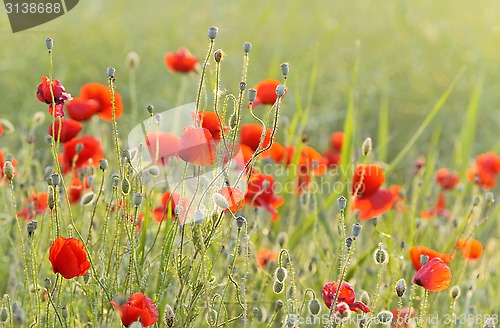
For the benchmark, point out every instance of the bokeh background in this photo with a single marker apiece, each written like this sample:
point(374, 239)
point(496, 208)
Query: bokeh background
point(409, 52)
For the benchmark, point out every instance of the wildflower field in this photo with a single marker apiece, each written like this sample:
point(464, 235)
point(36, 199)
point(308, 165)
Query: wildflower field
point(251, 164)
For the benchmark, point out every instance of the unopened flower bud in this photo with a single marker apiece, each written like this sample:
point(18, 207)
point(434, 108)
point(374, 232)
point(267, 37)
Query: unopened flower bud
point(278, 286)
point(242, 86)
point(258, 314)
point(385, 317)
point(133, 59)
point(252, 94)
point(51, 201)
point(19, 315)
point(31, 227)
point(8, 170)
point(280, 274)
point(220, 201)
point(169, 316)
point(356, 229)
point(247, 46)
point(240, 221)
point(154, 170)
point(367, 146)
point(455, 292)
point(127, 154)
point(218, 54)
point(365, 298)
point(136, 324)
point(125, 186)
point(282, 238)
point(111, 72)
point(380, 256)
point(278, 305)
point(401, 287)
point(212, 32)
point(233, 121)
point(211, 317)
point(341, 203)
point(489, 197)
point(137, 199)
point(285, 69)
point(280, 90)
point(103, 164)
point(87, 199)
point(4, 315)
point(49, 43)
point(38, 118)
point(314, 306)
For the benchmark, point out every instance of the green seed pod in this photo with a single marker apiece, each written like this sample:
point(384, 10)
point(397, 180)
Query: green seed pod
point(242, 86)
point(280, 274)
point(31, 227)
point(137, 199)
point(103, 164)
point(285, 69)
point(314, 306)
point(125, 186)
point(111, 72)
point(49, 43)
point(280, 90)
point(257, 313)
point(212, 32)
point(150, 109)
point(278, 287)
point(240, 221)
point(126, 154)
point(341, 203)
point(247, 46)
point(252, 94)
point(220, 201)
point(356, 229)
point(169, 316)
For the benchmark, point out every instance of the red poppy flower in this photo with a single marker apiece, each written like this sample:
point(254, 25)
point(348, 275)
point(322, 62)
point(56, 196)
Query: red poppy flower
point(69, 129)
point(210, 121)
point(58, 112)
point(68, 257)
point(434, 276)
point(447, 179)
point(3, 178)
point(90, 154)
point(251, 134)
point(484, 172)
point(169, 201)
point(336, 141)
point(264, 256)
point(417, 251)
point(332, 156)
point(162, 146)
point(260, 193)
point(101, 93)
point(197, 146)
point(472, 249)
point(369, 198)
point(438, 210)
point(44, 95)
point(76, 189)
point(403, 319)
point(137, 307)
point(346, 295)
point(35, 205)
point(181, 61)
point(1, 129)
point(234, 197)
point(81, 109)
point(266, 92)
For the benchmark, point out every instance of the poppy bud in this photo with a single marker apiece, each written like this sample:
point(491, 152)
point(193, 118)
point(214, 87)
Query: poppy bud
point(385, 317)
point(38, 118)
point(50, 197)
point(18, 312)
point(489, 197)
point(280, 274)
point(103, 164)
point(4, 315)
point(220, 201)
point(136, 324)
point(401, 287)
point(348, 242)
point(198, 216)
point(252, 94)
point(178, 210)
point(240, 221)
point(314, 306)
point(280, 90)
point(278, 305)
point(380, 255)
point(49, 43)
point(243, 86)
point(366, 147)
point(233, 120)
point(64, 312)
point(79, 147)
point(356, 229)
point(277, 286)
point(87, 198)
point(154, 170)
point(8, 170)
point(218, 55)
point(285, 69)
point(365, 298)
point(137, 199)
point(341, 203)
point(258, 314)
point(455, 292)
point(133, 59)
point(247, 46)
point(212, 32)
point(56, 179)
point(211, 317)
point(169, 316)
point(127, 154)
point(125, 186)
point(31, 227)
point(282, 238)
point(150, 109)
point(111, 72)
point(47, 283)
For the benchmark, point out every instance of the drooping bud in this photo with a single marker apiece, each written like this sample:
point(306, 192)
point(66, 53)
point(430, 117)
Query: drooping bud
point(125, 186)
point(212, 32)
point(341, 203)
point(314, 306)
point(367, 146)
point(258, 314)
point(137, 199)
point(220, 201)
point(278, 286)
point(247, 46)
point(401, 287)
point(356, 229)
point(280, 274)
point(252, 94)
point(111, 72)
point(285, 69)
point(280, 90)
point(49, 43)
point(169, 316)
point(133, 59)
point(211, 317)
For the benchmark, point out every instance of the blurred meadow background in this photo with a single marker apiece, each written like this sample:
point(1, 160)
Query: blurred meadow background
point(387, 63)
